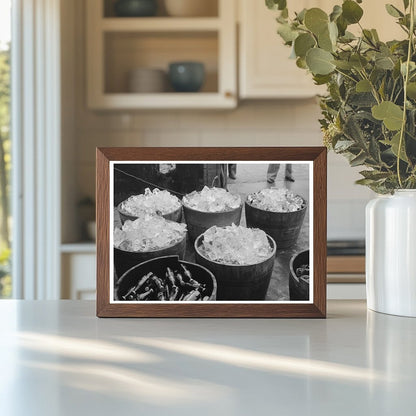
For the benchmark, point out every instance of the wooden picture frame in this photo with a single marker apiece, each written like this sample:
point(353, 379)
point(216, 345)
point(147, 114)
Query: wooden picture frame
point(314, 157)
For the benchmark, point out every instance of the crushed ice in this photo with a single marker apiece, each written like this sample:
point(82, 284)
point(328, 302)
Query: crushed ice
point(276, 200)
point(148, 233)
point(235, 245)
point(151, 202)
point(212, 200)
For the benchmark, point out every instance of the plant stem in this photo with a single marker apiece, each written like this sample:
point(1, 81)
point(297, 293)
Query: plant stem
point(373, 88)
point(346, 75)
point(405, 81)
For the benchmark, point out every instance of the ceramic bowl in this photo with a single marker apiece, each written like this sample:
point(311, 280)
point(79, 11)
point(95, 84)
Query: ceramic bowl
point(135, 8)
point(147, 80)
point(186, 76)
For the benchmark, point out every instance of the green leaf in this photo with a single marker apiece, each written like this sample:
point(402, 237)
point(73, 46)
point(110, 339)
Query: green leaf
point(301, 15)
point(374, 150)
point(358, 160)
point(342, 25)
point(394, 143)
point(325, 42)
point(363, 86)
point(287, 33)
point(316, 20)
point(347, 37)
point(362, 99)
point(351, 11)
point(368, 36)
point(411, 90)
point(377, 75)
point(406, 4)
point(354, 132)
point(343, 145)
point(301, 63)
point(319, 61)
point(336, 12)
point(393, 11)
point(276, 4)
point(365, 182)
point(303, 43)
point(321, 79)
point(374, 174)
point(358, 61)
point(388, 112)
point(412, 67)
point(384, 62)
point(382, 89)
point(344, 65)
point(333, 32)
point(375, 35)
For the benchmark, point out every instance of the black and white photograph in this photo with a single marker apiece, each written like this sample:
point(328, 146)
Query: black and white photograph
point(232, 231)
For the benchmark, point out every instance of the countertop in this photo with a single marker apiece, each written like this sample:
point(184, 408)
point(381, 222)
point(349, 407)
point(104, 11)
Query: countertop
point(57, 358)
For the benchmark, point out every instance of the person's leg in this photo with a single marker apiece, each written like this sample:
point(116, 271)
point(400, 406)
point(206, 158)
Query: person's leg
point(288, 173)
point(272, 171)
point(232, 170)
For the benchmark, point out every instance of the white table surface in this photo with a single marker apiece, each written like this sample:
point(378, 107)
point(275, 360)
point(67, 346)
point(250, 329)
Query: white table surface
point(57, 358)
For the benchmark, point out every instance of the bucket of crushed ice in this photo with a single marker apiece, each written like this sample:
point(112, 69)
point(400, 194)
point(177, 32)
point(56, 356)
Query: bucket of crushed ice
point(240, 258)
point(278, 212)
point(151, 202)
point(209, 207)
point(146, 238)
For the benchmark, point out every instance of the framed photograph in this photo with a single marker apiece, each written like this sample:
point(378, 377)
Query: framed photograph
point(211, 232)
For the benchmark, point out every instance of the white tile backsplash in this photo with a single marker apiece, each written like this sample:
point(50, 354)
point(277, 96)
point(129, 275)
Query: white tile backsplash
point(258, 123)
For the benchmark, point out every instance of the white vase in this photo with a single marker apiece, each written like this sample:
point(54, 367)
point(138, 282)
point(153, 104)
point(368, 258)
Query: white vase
point(391, 253)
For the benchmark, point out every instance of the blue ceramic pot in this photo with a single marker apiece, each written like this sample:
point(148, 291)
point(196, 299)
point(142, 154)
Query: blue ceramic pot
point(186, 76)
point(135, 8)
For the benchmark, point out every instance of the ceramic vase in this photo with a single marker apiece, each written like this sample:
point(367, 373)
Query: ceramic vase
point(391, 253)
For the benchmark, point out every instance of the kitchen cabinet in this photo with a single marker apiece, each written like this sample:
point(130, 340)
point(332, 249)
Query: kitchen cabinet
point(265, 69)
point(118, 45)
point(78, 263)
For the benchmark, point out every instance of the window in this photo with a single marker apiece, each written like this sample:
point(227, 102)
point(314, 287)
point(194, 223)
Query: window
point(5, 147)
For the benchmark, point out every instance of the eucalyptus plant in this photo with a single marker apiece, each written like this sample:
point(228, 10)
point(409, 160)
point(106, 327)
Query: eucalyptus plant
point(369, 112)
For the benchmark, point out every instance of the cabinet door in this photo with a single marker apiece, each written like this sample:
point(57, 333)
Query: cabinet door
point(265, 68)
point(116, 46)
point(78, 276)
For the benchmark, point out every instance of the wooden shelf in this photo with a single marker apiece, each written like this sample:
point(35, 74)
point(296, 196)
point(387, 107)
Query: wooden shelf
point(116, 45)
point(85, 247)
point(160, 24)
point(346, 264)
point(126, 101)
